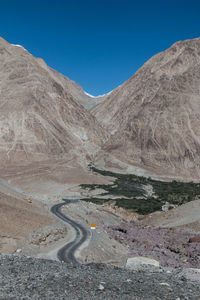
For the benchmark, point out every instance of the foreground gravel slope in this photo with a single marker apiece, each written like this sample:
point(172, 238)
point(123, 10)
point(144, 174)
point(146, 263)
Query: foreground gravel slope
point(28, 278)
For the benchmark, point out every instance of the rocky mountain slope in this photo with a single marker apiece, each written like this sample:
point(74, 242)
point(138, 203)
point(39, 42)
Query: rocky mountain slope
point(41, 117)
point(154, 117)
point(151, 122)
point(80, 96)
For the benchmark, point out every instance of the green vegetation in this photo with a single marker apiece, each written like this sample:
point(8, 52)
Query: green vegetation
point(141, 206)
point(131, 187)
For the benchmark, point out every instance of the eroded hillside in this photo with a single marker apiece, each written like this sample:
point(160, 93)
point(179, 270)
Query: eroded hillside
point(154, 117)
point(40, 117)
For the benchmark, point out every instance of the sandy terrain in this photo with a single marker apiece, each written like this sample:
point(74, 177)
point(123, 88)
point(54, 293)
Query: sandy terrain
point(18, 218)
point(50, 180)
point(186, 216)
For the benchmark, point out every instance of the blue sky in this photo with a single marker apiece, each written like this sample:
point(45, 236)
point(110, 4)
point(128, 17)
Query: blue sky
point(98, 43)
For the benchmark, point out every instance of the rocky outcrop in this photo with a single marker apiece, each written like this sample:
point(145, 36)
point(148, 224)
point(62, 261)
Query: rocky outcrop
point(195, 239)
point(171, 247)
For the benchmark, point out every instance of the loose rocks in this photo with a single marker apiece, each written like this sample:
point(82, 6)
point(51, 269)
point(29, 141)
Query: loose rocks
point(28, 278)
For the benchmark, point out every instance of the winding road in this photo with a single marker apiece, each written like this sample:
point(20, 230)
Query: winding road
point(67, 253)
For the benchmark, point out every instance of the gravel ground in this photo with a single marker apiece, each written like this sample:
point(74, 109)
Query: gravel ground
point(172, 247)
point(28, 278)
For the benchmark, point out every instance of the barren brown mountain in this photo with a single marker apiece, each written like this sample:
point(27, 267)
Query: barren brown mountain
point(78, 93)
point(41, 117)
point(154, 117)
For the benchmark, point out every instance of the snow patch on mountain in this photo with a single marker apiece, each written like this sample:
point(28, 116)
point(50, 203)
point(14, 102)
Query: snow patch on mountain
point(18, 46)
point(97, 96)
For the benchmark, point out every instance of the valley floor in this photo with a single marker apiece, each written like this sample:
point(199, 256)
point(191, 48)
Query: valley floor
point(28, 225)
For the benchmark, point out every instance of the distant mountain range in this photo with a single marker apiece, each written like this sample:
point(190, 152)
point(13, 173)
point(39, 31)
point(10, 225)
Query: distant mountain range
point(150, 124)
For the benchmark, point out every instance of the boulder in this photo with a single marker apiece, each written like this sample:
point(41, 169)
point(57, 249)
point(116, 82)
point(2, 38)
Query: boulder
point(139, 261)
point(18, 250)
point(191, 274)
point(195, 239)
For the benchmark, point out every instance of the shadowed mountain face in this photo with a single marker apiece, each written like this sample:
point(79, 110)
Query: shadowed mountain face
point(154, 117)
point(41, 117)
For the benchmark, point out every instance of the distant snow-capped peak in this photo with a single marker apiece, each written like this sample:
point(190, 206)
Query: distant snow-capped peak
point(19, 46)
point(97, 96)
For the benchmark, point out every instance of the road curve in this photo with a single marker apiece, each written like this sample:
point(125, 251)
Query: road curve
point(67, 253)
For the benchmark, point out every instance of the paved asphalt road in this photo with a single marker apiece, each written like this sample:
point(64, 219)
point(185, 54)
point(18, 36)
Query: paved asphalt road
point(67, 253)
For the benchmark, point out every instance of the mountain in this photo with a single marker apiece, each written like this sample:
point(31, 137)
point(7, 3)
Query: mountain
point(154, 118)
point(80, 96)
point(41, 115)
point(150, 124)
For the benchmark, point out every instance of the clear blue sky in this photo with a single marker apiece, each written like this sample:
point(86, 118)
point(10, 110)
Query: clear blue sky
point(98, 43)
